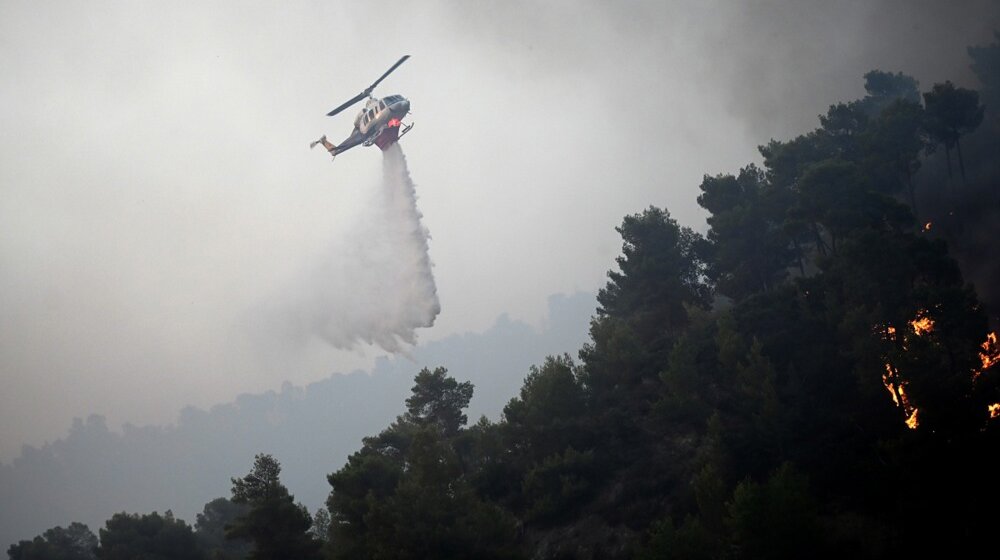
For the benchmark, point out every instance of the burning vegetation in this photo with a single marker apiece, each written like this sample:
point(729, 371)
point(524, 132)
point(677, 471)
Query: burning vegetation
point(923, 325)
point(989, 353)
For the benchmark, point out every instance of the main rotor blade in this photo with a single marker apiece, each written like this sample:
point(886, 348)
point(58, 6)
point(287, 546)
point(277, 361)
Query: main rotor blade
point(387, 72)
point(353, 100)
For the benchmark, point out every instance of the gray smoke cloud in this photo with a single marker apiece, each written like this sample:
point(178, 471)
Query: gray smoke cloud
point(155, 183)
point(375, 284)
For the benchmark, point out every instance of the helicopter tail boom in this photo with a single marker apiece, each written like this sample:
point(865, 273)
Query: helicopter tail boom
point(330, 146)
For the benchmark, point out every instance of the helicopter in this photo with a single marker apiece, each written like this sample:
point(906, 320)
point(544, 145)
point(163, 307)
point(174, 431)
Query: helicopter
point(379, 123)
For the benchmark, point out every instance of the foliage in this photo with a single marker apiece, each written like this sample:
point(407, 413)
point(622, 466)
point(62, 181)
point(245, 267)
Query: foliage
point(438, 400)
point(952, 112)
point(810, 378)
point(75, 542)
point(750, 252)
point(690, 541)
point(776, 519)
point(986, 65)
point(277, 526)
point(406, 493)
point(152, 536)
point(210, 528)
point(560, 482)
point(885, 88)
point(549, 414)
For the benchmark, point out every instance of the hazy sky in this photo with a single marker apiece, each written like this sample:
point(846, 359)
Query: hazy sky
point(157, 190)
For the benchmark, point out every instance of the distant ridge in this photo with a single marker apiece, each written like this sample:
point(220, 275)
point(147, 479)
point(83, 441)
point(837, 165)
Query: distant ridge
point(95, 471)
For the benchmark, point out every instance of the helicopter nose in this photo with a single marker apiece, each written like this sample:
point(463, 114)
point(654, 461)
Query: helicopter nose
point(402, 106)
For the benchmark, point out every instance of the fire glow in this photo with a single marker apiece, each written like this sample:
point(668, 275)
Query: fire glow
point(897, 389)
point(922, 325)
point(989, 353)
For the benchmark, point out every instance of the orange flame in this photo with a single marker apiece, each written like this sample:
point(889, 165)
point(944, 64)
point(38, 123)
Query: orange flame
point(923, 324)
point(898, 393)
point(990, 353)
point(889, 375)
point(911, 421)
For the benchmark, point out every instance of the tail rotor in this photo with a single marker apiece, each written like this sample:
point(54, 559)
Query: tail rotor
point(330, 146)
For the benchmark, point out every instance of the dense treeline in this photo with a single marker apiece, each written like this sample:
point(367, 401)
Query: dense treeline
point(812, 378)
point(110, 470)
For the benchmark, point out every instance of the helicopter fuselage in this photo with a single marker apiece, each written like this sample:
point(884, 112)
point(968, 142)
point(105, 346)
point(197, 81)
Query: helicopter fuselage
point(378, 123)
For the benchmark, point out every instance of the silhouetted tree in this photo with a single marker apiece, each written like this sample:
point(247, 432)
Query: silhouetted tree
point(841, 129)
point(277, 526)
point(986, 65)
point(75, 542)
point(952, 112)
point(777, 519)
point(894, 142)
point(750, 250)
point(438, 400)
point(886, 88)
point(210, 528)
point(406, 493)
point(321, 525)
point(154, 536)
point(548, 415)
point(642, 310)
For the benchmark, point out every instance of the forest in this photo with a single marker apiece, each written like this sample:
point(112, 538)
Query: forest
point(816, 376)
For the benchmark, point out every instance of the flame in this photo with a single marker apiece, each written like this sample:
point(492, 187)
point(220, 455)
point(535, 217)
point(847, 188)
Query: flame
point(923, 324)
point(990, 353)
point(890, 374)
point(911, 421)
point(898, 392)
point(927, 226)
point(903, 398)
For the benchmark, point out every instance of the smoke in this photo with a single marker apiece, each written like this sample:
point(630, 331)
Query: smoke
point(374, 285)
point(966, 211)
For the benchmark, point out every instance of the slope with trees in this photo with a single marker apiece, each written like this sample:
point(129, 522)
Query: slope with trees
point(813, 377)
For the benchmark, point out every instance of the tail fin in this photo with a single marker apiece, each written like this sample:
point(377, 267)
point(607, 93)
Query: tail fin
point(330, 146)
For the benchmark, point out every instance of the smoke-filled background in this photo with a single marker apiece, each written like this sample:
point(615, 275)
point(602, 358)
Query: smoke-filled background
point(373, 285)
point(167, 239)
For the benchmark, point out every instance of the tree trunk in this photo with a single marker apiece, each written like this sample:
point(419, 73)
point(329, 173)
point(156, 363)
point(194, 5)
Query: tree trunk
point(961, 163)
point(947, 157)
point(820, 245)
